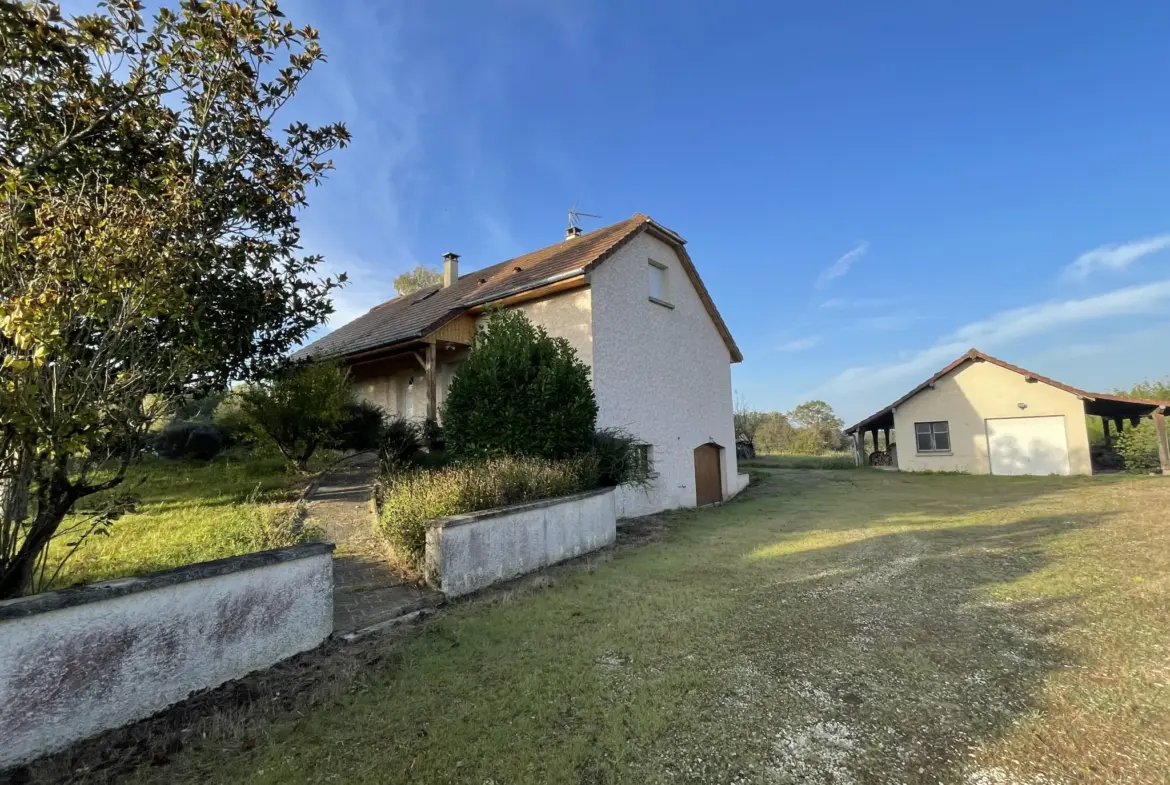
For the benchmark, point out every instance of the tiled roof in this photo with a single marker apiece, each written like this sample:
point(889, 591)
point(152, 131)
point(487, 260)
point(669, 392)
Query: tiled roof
point(413, 316)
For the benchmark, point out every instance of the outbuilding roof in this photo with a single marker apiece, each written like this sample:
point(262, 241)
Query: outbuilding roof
point(1124, 405)
point(410, 317)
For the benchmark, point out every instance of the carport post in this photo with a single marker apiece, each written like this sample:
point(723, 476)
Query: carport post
point(1163, 450)
point(1108, 435)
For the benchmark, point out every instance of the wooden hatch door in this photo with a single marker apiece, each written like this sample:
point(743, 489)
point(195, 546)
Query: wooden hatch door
point(708, 477)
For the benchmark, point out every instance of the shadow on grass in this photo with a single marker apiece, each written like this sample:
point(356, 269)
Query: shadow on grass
point(890, 658)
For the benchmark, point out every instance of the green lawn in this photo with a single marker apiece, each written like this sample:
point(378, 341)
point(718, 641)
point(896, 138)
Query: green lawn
point(830, 461)
point(187, 512)
point(831, 627)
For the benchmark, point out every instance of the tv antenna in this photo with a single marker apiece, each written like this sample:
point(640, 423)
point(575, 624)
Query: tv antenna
point(576, 215)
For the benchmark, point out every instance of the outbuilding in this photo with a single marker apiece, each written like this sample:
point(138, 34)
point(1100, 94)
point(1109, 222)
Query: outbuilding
point(981, 415)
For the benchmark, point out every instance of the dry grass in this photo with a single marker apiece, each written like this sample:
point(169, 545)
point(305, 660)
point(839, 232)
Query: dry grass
point(832, 627)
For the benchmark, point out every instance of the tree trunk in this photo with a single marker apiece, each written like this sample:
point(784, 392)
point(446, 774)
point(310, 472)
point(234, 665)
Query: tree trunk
point(54, 499)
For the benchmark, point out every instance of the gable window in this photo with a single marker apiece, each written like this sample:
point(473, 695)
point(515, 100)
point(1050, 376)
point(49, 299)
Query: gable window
point(659, 289)
point(933, 436)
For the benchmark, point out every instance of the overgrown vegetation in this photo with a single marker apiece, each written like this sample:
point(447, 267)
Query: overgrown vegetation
point(149, 248)
point(409, 499)
point(520, 392)
point(831, 461)
point(1138, 447)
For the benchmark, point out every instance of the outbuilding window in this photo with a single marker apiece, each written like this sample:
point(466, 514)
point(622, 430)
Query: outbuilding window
point(644, 458)
point(933, 436)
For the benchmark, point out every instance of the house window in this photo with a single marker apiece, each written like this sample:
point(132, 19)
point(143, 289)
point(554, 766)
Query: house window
point(933, 436)
point(644, 457)
point(659, 291)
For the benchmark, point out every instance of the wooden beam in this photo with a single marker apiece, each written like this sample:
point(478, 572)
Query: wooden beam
point(1108, 435)
point(1163, 447)
point(432, 393)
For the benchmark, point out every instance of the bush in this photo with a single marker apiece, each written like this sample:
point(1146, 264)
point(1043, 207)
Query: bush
point(200, 441)
point(1139, 448)
point(362, 427)
point(520, 392)
point(401, 443)
point(300, 409)
point(619, 461)
point(410, 499)
point(432, 435)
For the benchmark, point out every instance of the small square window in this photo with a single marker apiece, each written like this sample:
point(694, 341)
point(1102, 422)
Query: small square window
point(932, 436)
point(659, 291)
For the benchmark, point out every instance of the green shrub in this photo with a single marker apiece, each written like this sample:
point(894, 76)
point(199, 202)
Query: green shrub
point(401, 443)
point(200, 441)
point(299, 410)
point(410, 499)
point(619, 461)
point(362, 427)
point(432, 435)
point(1139, 447)
point(520, 392)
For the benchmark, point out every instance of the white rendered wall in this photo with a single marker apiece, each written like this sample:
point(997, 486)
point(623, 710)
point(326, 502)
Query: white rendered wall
point(664, 374)
point(469, 552)
point(69, 670)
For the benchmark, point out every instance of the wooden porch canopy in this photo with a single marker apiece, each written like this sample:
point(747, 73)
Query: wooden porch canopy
point(455, 334)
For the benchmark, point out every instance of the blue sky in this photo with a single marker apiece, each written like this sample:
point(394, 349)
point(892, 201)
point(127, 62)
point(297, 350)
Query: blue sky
point(866, 191)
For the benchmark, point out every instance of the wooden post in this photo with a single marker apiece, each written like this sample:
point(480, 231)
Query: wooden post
point(1108, 435)
point(886, 436)
point(1163, 448)
point(1120, 423)
point(432, 396)
point(859, 447)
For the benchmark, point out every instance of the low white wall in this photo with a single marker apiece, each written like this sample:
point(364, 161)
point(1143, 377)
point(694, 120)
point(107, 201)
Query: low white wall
point(468, 552)
point(80, 661)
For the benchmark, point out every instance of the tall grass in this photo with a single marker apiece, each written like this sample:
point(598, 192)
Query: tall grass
point(408, 500)
point(831, 461)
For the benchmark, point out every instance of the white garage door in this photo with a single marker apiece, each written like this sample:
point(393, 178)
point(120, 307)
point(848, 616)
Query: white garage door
point(1028, 445)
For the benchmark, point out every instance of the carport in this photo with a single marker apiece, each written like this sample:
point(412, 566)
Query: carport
point(983, 415)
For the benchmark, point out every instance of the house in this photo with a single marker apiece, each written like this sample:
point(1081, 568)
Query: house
point(984, 416)
point(628, 298)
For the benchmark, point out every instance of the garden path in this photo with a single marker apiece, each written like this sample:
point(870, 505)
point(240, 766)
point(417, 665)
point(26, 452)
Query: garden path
point(367, 591)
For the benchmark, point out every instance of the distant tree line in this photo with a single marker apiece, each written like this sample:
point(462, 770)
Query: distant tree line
point(812, 428)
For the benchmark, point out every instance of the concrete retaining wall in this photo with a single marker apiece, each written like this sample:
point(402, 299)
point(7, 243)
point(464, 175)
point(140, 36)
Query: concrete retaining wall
point(469, 552)
point(80, 661)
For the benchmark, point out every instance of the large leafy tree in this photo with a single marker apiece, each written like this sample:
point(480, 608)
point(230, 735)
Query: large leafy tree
point(416, 280)
point(148, 240)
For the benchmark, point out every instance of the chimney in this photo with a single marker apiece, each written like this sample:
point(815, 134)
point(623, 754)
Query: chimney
point(572, 231)
point(450, 269)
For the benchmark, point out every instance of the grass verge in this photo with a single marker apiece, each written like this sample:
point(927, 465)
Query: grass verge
point(186, 512)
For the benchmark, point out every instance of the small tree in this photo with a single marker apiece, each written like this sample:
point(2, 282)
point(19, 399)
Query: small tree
point(521, 392)
point(300, 409)
point(149, 248)
point(416, 280)
point(747, 421)
point(818, 427)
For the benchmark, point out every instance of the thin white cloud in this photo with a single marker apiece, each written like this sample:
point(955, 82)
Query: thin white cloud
point(1115, 256)
point(857, 302)
point(800, 344)
point(842, 265)
point(1003, 328)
